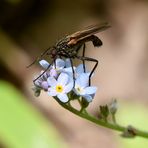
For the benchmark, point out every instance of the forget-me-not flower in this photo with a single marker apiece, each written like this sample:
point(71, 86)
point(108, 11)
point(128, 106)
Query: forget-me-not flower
point(41, 82)
point(60, 87)
point(55, 68)
point(62, 78)
point(83, 89)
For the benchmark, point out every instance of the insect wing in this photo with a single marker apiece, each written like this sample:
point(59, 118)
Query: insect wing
point(90, 30)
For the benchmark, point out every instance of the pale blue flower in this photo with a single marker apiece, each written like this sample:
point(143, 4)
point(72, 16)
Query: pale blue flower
point(44, 64)
point(68, 66)
point(55, 68)
point(42, 80)
point(59, 64)
point(58, 80)
point(67, 63)
point(60, 87)
point(79, 70)
point(83, 89)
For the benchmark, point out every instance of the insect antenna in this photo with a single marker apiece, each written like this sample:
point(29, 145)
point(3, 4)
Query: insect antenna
point(40, 57)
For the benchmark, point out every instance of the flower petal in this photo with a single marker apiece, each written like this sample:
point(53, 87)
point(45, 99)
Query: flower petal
point(38, 82)
point(60, 63)
point(51, 92)
point(80, 69)
point(76, 92)
point(68, 87)
point(83, 80)
point(53, 73)
point(63, 79)
point(88, 98)
point(51, 81)
point(67, 63)
point(44, 85)
point(68, 70)
point(44, 64)
point(63, 97)
point(90, 90)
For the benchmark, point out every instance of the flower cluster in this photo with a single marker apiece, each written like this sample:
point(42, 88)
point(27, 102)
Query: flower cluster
point(62, 80)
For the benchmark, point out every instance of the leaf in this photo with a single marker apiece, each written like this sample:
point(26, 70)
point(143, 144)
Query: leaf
point(21, 126)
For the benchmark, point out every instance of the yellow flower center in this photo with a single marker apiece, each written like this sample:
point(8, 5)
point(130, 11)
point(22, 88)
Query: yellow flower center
point(59, 88)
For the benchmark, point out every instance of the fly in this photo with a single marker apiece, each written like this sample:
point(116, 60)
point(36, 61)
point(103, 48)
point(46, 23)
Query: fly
point(69, 46)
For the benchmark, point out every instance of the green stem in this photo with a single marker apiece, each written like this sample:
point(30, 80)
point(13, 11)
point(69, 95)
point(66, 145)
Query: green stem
point(100, 122)
point(114, 118)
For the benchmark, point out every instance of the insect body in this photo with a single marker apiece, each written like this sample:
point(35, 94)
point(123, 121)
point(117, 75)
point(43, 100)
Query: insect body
point(72, 43)
point(69, 46)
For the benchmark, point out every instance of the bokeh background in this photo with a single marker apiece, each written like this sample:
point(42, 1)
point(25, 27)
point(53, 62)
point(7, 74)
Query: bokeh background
point(28, 27)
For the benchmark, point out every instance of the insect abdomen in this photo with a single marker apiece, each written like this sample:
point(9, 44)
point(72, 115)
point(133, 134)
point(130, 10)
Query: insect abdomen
point(96, 41)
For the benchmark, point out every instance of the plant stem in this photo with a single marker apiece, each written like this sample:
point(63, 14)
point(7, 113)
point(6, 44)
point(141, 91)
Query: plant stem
point(100, 122)
point(114, 118)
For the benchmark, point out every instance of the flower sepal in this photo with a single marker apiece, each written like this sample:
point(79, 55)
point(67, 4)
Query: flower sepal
point(84, 103)
point(37, 91)
point(73, 96)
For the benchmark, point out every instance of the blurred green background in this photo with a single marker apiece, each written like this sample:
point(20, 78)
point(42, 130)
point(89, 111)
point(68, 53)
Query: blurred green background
point(28, 27)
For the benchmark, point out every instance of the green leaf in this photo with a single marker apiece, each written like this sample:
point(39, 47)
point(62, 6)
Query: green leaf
point(21, 125)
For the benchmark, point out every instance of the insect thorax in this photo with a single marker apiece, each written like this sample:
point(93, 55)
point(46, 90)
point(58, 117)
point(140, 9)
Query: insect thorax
point(65, 49)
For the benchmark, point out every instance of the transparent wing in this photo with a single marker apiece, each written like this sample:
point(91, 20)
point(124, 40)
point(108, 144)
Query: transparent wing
point(90, 30)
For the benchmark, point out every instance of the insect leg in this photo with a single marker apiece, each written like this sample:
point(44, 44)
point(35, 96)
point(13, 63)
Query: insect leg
point(66, 54)
point(83, 55)
point(43, 71)
point(54, 62)
point(92, 60)
point(72, 71)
